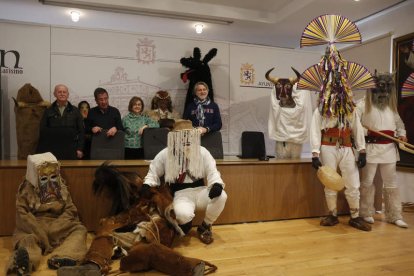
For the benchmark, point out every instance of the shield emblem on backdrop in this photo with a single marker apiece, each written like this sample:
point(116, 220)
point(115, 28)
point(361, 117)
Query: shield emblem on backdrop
point(145, 51)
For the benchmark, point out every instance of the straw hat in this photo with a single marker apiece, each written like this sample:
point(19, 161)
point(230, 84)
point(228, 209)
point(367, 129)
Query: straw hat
point(330, 178)
point(182, 125)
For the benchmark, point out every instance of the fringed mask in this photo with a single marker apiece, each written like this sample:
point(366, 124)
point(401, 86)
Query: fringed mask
point(385, 86)
point(183, 152)
point(284, 88)
point(336, 98)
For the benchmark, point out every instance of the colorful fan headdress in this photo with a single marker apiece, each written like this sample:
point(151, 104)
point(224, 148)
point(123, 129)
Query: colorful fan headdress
point(333, 76)
point(407, 89)
point(330, 29)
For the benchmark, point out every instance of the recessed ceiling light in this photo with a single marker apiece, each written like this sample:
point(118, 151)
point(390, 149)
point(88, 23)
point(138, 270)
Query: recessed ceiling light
point(199, 28)
point(75, 15)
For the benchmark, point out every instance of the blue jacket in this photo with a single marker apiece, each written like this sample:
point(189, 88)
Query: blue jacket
point(212, 116)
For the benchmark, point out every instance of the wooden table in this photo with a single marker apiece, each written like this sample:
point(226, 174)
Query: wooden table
point(257, 190)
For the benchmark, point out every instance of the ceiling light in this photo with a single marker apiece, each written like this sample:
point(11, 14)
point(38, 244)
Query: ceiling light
point(199, 28)
point(129, 7)
point(75, 16)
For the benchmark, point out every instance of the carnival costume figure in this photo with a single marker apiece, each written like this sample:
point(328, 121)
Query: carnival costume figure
point(29, 108)
point(378, 112)
point(46, 219)
point(140, 230)
point(289, 116)
point(335, 123)
point(185, 164)
point(162, 110)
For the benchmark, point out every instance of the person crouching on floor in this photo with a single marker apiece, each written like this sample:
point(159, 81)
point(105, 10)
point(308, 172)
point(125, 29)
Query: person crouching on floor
point(185, 164)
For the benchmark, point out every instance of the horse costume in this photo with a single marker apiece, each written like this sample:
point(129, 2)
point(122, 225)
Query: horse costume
point(141, 229)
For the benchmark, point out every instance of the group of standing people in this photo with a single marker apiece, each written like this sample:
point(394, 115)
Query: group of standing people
point(332, 144)
point(84, 121)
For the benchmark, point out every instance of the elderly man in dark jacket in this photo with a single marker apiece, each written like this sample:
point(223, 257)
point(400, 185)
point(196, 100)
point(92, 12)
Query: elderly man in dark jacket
point(62, 130)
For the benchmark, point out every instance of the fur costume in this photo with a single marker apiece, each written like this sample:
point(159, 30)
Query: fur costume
point(162, 110)
point(379, 111)
point(157, 256)
point(29, 108)
point(198, 70)
point(46, 218)
point(138, 220)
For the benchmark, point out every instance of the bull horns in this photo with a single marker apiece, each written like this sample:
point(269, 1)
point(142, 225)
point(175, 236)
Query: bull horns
point(269, 78)
point(297, 74)
point(276, 80)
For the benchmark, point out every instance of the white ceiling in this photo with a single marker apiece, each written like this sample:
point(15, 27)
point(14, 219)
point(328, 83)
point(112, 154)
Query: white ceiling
point(277, 23)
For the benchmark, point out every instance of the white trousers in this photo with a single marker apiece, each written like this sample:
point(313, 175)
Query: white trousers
point(187, 201)
point(390, 193)
point(286, 150)
point(344, 158)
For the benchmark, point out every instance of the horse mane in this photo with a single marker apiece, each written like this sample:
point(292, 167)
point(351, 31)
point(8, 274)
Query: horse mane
point(121, 186)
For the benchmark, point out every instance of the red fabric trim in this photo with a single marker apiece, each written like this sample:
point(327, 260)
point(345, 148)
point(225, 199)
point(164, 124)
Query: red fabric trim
point(388, 132)
point(336, 132)
point(376, 138)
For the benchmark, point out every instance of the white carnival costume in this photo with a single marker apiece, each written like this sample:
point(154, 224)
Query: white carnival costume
point(289, 126)
point(382, 153)
point(185, 164)
point(335, 121)
point(334, 154)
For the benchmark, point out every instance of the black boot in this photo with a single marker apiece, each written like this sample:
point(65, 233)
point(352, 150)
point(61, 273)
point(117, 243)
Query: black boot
point(56, 262)
point(360, 223)
point(204, 233)
point(330, 220)
point(21, 263)
point(186, 227)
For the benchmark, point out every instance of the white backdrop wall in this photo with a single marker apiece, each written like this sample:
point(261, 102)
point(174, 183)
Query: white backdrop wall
point(129, 64)
point(374, 54)
point(32, 42)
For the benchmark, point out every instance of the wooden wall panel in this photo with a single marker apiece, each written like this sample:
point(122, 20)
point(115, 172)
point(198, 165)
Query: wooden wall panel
point(257, 191)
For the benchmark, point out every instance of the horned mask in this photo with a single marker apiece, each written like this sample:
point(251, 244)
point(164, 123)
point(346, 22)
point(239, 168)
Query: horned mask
point(284, 88)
